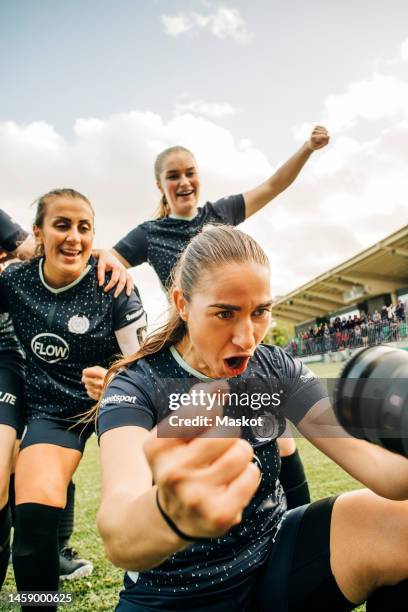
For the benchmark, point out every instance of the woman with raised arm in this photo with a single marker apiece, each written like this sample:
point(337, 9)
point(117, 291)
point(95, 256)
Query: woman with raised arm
point(65, 323)
point(202, 518)
point(161, 241)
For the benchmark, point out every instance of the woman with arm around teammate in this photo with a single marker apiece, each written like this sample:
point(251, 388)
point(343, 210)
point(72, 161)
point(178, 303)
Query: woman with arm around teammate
point(65, 323)
point(212, 533)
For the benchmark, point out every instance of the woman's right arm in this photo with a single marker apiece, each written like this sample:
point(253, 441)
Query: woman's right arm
point(133, 531)
point(203, 485)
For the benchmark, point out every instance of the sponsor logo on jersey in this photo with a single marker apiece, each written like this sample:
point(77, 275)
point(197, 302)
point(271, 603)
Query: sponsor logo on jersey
point(133, 315)
point(306, 377)
point(78, 324)
point(119, 399)
point(7, 398)
point(50, 347)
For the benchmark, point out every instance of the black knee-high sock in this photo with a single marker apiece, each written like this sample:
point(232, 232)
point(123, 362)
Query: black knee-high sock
point(66, 526)
point(392, 598)
point(5, 527)
point(12, 497)
point(35, 548)
point(293, 480)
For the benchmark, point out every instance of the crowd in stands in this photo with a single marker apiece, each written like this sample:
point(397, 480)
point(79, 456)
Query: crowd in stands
point(366, 329)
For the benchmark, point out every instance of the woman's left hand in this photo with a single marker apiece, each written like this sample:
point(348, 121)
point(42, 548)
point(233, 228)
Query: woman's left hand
point(93, 379)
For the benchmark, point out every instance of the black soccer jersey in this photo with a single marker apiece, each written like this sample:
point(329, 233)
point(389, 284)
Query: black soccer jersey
point(160, 242)
point(140, 396)
point(64, 331)
point(11, 235)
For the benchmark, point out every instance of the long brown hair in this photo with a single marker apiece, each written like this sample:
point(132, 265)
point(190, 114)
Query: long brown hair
point(163, 209)
point(214, 247)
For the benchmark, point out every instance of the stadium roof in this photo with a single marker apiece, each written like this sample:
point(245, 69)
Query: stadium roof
point(382, 268)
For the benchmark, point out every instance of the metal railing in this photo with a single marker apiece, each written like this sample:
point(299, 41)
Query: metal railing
point(365, 334)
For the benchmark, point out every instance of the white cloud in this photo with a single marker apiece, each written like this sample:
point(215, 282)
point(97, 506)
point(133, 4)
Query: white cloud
point(404, 50)
point(176, 24)
point(111, 161)
point(348, 196)
point(214, 110)
point(223, 23)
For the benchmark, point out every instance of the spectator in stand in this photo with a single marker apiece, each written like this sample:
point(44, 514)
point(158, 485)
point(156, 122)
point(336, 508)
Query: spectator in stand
point(384, 313)
point(357, 335)
point(400, 311)
point(364, 333)
point(326, 337)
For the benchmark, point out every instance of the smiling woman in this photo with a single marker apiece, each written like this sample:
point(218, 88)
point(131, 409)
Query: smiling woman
point(66, 323)
point(64, 235)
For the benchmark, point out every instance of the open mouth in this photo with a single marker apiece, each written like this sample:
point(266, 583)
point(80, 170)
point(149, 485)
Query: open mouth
point(237, 363)
point(70, 254)
point(183, 194)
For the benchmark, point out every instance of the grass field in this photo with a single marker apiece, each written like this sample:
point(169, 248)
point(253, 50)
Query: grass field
point(99, 591)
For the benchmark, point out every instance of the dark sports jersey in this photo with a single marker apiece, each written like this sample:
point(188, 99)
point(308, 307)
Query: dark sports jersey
point(139, 396)
point(11, 235)
point(63, 331)
point(160, 242)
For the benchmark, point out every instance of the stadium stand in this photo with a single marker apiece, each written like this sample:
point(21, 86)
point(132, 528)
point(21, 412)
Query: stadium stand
point(361, 302)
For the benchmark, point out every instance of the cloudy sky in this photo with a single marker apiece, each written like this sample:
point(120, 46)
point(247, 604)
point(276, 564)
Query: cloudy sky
point(92, 90)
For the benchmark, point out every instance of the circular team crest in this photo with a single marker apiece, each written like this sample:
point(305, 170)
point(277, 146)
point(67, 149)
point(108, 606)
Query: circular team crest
point(269, 428)
point(78, 324)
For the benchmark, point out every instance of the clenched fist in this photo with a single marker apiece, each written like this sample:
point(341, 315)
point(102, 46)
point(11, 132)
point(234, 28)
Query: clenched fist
point(319, 138)
point(204, 482)
point(93, 379)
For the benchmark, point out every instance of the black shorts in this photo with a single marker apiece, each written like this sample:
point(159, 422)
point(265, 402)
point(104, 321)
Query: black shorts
point(296, 576)
point(11, 397)
point(58, 432)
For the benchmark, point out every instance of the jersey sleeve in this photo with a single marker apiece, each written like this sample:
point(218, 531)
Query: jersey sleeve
point(129, 321)
point(303, 389)
point(5, 277)
point(133, 247)
point(11, 233)
point(125, 403)
point(231, 209)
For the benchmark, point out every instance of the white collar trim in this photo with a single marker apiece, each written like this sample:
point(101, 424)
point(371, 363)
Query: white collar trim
point(187, 367)
point(180, 218)
point(60, 289)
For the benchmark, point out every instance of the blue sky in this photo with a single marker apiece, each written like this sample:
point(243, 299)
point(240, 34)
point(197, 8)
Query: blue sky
point(60, 60)
point(93, 89)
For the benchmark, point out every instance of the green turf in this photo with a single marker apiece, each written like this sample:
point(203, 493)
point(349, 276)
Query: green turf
point(100, 590)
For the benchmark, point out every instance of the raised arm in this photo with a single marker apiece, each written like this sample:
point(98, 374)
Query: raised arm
point(256, 198)
point(382, 471)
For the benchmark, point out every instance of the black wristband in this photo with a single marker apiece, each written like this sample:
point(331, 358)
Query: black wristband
point(173, 525)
